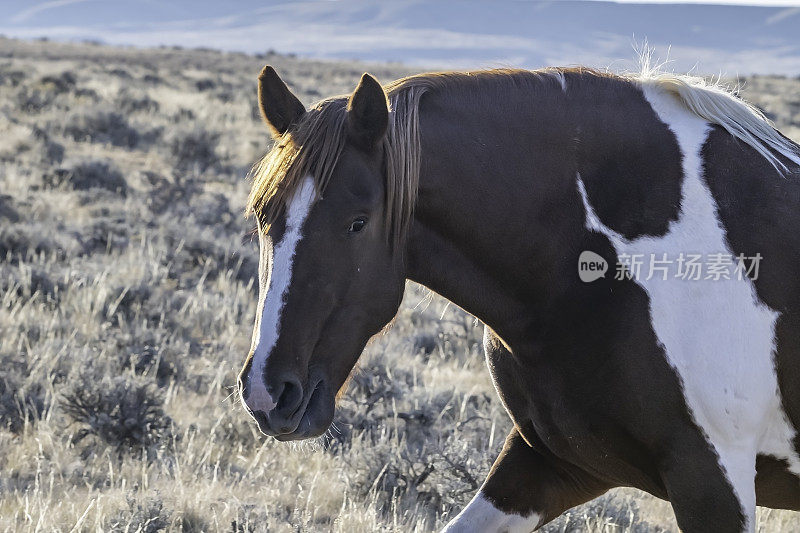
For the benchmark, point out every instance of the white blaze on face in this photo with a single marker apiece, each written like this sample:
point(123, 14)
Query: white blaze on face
point(269, 317)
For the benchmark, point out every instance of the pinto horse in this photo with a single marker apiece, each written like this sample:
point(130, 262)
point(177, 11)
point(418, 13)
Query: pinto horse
point(491, 188)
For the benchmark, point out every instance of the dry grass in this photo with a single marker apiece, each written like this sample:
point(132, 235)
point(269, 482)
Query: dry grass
point(126, 301)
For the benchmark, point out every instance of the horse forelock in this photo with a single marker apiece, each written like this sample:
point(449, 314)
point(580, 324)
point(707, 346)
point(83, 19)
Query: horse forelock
point(313, 148)
point(310, 148)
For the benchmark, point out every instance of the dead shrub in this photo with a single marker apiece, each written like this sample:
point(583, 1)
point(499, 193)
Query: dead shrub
point(194, 149)
point(21, 398)
point(105, 127)
point(94, 174)
point(124, 411)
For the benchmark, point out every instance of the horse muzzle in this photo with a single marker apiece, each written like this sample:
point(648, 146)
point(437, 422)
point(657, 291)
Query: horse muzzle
point(298, 413)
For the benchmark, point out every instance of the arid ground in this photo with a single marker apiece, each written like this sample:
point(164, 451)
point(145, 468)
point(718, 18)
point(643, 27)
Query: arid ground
point(127, 296)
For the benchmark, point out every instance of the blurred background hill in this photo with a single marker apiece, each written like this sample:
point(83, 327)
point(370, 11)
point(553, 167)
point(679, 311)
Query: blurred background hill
point(718, 38)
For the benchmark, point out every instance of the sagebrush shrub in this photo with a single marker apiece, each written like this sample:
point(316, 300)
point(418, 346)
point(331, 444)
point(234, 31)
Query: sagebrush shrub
point(12, 78)
point(23, 240)
point(51, 152)
point(37, 96)
point(106, 127)
point(8, 213)
point(21, 399)
point(61, 83)
point(194, 148)
point(125, 411)
point(128, 102)
point(93, 174)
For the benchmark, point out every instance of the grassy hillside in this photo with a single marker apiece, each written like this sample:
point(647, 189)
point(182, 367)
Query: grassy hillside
point(127, 296)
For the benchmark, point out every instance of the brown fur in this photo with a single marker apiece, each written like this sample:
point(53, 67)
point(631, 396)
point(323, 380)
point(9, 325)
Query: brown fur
point(314, 144)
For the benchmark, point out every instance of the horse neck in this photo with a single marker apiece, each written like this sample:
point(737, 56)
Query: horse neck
point(498, 210)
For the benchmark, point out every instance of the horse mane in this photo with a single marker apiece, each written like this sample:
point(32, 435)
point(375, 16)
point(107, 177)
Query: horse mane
point(313, 146)
point(720, 105)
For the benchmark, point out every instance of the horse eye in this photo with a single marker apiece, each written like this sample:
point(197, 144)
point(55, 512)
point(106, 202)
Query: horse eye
point(357, 225)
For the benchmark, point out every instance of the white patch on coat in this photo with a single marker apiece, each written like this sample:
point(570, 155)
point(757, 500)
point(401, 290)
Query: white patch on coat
point(717, 104)
point(280, 277)
point(717, 335)
point(481, 516)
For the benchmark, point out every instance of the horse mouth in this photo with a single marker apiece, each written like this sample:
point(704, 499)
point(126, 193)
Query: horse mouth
point(314, 417)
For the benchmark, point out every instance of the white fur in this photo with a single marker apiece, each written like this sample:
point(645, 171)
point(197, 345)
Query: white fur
point(718, 105)
point(269, 316)
point(480, 516)
point(561, 78)
point(717, 335)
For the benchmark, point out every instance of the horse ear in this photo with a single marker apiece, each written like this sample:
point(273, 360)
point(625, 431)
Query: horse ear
point(279, 107)
point(367, 113)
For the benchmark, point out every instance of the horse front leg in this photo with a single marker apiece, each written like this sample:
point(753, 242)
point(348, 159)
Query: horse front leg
point(524, 490)
point(708, 497)
point(526, 487)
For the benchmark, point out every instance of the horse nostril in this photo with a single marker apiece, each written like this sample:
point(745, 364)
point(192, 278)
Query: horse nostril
point(290, 398)
point(261, 419)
